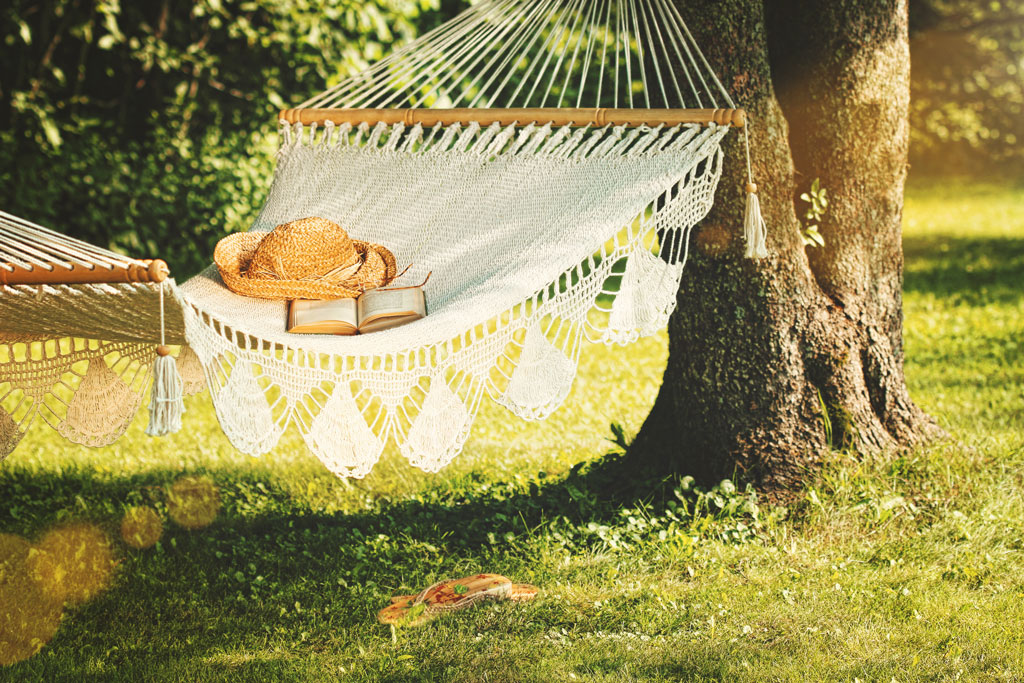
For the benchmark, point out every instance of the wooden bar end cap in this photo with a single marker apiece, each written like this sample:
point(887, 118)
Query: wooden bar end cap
point(157, 270)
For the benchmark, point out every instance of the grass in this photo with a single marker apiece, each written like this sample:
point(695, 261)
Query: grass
point(906, 569)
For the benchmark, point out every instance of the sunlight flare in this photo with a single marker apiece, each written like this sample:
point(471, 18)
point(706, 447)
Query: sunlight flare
point(193, 502)
point(76, 563)
point(28, 617)
point(141, 527)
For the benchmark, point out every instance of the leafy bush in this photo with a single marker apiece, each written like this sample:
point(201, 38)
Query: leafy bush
point(148, 127)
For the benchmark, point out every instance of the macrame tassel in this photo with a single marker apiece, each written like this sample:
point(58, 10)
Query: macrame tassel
point(755, 231)
point(166, 397)
point(166, 403)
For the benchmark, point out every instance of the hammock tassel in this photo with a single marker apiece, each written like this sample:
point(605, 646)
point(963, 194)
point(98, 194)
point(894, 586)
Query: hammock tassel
point(755, 231)
point(166, 404)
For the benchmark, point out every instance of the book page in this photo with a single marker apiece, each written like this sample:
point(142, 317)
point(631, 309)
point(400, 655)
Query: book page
point(378, 303)
point(336, 310)
point(322, 317)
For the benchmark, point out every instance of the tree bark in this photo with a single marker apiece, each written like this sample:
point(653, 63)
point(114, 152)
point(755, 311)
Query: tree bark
point(762, 354)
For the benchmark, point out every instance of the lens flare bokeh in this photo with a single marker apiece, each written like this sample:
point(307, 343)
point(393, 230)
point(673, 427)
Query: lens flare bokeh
point(76, 563)
point(141, 527)
point(28, 617)
point(193, 502)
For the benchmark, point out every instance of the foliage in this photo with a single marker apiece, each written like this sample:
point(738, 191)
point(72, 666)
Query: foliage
point(908, 568)
point(967, 87)
point(817, 202)
point(147, 127)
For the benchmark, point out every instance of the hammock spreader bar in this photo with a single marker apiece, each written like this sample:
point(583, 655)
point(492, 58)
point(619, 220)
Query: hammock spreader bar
point(485, 117)
point(33, 255)
point(154, 270)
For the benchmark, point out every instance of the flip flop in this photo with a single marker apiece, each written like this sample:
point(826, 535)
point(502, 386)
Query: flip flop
point(405, 613)
point(451, 595)
point(522, 592)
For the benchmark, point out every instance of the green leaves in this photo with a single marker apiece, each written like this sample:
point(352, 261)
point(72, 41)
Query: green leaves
point(163, 113)
point(813, 238)
point(51, 131)
point(967, 94)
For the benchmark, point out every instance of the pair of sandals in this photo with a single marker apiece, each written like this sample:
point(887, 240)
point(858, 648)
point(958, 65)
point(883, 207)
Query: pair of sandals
point(452, 595)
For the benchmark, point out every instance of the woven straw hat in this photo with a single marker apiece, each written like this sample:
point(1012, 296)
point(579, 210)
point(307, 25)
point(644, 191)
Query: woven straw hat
point(311, 258)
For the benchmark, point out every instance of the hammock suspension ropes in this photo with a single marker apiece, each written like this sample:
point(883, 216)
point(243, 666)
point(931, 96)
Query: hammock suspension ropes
point(538, 61)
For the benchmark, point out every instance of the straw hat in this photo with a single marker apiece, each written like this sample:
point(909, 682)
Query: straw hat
point(311, 258)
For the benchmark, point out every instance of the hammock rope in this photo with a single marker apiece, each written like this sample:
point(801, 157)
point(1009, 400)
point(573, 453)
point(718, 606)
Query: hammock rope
point(545, 227)
point(444, 68)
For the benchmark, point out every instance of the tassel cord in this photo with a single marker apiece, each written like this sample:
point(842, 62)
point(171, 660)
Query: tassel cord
point(163, 325)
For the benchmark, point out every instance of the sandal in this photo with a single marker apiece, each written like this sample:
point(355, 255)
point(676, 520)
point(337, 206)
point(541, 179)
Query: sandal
point(451, 595)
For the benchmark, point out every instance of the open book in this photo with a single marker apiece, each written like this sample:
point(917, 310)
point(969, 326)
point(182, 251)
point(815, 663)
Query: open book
point(375, 310)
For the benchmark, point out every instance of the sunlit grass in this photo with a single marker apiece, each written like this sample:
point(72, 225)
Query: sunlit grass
point(908, 569)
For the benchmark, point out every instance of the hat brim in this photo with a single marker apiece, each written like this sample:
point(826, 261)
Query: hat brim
point(234, 253)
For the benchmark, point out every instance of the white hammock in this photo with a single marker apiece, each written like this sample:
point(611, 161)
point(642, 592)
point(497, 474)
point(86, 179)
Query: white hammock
point(528, 228)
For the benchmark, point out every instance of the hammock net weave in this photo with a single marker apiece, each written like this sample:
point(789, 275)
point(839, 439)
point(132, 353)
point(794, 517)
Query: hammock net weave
point(537, 237)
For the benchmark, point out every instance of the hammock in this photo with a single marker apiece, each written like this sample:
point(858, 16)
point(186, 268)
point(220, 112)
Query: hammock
point(77, 335)
point(545, 160)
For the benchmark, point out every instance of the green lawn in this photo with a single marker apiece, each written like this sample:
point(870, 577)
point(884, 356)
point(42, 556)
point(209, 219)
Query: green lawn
point(909, 569)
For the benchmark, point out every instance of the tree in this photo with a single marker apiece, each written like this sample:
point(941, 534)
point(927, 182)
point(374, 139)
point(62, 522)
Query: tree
point(771, 362)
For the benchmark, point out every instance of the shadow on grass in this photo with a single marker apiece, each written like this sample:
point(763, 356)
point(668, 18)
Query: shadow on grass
point(270, 568)
point(470, 505)
point(966, 270)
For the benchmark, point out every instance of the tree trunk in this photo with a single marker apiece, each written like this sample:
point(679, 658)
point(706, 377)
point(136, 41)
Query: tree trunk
point(772, 362)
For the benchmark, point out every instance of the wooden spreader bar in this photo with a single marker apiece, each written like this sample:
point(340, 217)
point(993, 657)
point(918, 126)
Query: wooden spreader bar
point(486, 117)
point(154, 270)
